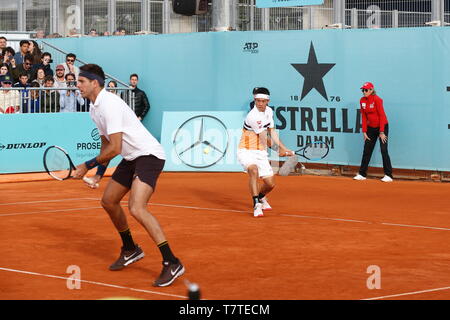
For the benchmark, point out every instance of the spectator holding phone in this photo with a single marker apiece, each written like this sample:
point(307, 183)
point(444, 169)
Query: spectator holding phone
point(70, 97)
point(23, 68)
point(8, 55)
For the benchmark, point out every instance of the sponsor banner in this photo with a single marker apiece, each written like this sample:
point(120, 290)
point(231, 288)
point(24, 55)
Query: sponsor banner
point(286, 3)
point(25, 137)
point(202, 141)
point(314, 77)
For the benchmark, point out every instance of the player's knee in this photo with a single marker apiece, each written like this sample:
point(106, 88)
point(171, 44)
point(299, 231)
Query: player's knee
point(107, 204)
point(270, 185)
point(253, 170)
point(136, 211)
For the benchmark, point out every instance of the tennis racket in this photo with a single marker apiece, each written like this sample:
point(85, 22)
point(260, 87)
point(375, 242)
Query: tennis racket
point(313, 151)
point(59, 165)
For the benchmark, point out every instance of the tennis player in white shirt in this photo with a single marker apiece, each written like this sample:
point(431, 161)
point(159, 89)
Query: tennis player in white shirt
point(258, 133)
point(143, 160)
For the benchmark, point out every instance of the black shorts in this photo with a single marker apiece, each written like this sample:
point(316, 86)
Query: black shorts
point(147, 168)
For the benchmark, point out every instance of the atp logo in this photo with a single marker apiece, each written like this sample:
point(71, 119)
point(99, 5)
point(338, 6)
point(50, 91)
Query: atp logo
point(251, 47)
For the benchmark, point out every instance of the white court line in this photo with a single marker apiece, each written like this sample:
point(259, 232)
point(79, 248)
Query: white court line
point(305, 217)
point(46, 211)
point(232, 210)
point(408, 293)
point(323, 218)
point(44, 201)
point(93, 282)
point(197, 208)
point(413, 226)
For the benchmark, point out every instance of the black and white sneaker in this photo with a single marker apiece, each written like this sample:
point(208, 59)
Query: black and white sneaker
point(126, 258)
point(169, 273)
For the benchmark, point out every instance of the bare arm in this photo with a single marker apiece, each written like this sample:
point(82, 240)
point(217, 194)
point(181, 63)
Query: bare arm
point(283, 150)
point(110, 148)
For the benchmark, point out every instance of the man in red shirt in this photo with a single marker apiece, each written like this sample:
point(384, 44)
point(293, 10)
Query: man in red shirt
point(374, 125)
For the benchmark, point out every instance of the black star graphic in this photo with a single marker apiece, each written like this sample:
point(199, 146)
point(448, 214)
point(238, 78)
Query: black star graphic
point(313, 72)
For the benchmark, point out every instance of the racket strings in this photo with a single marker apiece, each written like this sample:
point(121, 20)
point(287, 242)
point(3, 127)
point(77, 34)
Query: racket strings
point(57, 163)
point(316, 150)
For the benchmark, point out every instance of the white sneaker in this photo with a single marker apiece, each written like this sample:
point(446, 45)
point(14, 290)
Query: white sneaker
point(359, 177)
point(258, 211)
point(265, 204)
point(387, 179)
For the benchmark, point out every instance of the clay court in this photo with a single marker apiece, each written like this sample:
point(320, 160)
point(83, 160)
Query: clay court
point(317, 243)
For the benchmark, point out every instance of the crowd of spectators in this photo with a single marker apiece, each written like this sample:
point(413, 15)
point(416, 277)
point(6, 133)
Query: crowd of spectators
point(40, 34)
point(29, 67)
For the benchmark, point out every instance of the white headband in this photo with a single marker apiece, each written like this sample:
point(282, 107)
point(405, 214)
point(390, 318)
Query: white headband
point(262, 96)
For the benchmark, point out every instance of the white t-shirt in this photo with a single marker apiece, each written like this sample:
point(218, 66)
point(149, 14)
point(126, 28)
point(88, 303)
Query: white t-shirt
point(59, 84)
point(257, 121)
point(112, 115)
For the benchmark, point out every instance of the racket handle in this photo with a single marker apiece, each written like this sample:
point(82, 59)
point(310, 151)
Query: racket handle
point(91, 183)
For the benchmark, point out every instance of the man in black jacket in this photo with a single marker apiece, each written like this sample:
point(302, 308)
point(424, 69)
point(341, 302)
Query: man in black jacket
point(141, 104)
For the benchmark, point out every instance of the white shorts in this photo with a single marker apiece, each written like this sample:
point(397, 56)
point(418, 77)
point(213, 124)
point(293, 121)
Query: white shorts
point(258, 158)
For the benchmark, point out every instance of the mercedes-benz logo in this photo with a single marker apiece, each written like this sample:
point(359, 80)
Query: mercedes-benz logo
point(201, 141)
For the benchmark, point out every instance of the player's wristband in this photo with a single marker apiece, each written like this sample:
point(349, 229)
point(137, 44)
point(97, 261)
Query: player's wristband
point(101, 169)
point(91, 163)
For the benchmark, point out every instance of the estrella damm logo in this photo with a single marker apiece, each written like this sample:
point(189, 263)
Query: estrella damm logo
point(251, 47)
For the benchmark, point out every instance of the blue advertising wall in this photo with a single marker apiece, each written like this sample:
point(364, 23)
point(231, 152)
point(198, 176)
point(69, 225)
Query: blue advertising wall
point(24, 138)
point(314, 78)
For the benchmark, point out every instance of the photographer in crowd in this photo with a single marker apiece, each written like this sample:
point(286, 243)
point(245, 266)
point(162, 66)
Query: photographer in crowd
point(70, 99)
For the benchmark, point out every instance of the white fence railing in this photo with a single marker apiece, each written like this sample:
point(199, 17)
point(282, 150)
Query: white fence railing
point(51, 100)
point(71, 17)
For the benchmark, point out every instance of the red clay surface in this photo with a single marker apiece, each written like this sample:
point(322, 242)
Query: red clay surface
point(317, 242)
